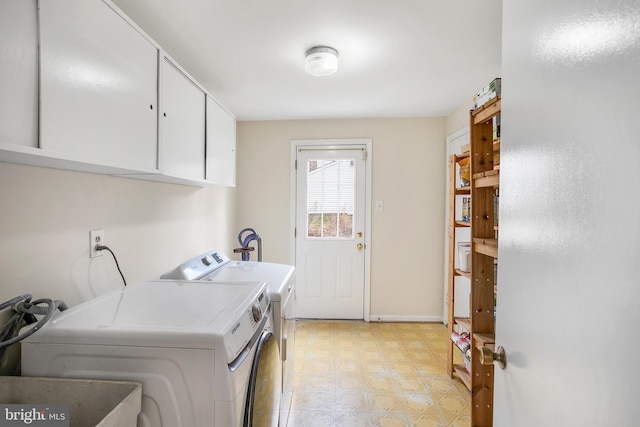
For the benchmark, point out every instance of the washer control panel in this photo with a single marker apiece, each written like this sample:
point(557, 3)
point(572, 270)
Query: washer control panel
point(256, 312)
point(198, 267)
point(258, 309)
point(244, 329)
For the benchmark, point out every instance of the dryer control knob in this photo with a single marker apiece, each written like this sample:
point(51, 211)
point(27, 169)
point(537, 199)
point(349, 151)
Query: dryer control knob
point(256, 312)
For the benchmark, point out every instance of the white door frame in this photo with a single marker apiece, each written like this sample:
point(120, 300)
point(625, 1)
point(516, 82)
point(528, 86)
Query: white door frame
point(328, 144)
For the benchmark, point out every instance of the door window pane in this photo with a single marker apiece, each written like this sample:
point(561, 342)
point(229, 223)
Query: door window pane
point(330, 198)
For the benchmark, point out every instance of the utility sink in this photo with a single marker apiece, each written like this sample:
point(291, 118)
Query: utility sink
point(91, 402)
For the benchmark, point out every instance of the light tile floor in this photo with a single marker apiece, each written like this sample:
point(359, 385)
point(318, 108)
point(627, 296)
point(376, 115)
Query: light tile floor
point(352, 373)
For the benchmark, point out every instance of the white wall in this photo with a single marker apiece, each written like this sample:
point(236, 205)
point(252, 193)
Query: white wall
point(46, 215)
point(408, 175)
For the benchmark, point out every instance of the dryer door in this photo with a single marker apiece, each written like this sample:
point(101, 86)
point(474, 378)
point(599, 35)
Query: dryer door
point(263, 398)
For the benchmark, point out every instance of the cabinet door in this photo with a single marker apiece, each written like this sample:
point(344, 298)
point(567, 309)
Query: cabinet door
point(221, 145)
point(183, 124)
point(19, 72)
point(98, 85)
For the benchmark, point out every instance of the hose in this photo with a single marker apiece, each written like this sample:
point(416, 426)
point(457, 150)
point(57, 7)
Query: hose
point(244, 242)
point(25, 297)
point(14, 322)
point(26, 311)
point(32, 308)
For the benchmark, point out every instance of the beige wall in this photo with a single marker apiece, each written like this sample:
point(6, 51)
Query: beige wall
point(46, 215)
point(408, 174)
point(458, 119)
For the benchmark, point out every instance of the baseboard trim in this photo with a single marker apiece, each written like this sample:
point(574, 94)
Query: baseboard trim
point(402, 318)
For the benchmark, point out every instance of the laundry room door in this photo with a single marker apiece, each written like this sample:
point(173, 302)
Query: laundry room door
point(330, 231)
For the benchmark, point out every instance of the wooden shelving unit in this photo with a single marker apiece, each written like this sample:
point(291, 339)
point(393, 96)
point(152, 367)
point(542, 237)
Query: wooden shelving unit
point(484, 155)
point(483, 152)
point(485, 182)
point(457, 324)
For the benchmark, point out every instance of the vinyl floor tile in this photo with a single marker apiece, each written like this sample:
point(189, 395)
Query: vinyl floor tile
point(357, 374)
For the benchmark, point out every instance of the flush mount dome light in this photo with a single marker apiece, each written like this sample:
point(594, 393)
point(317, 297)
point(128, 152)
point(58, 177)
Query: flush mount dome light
point(321, 61)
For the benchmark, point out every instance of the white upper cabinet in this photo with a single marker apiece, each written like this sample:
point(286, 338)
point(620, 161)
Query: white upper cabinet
point(182, 124)
point(98, 86)
point(103, 97)
point(19, 72)
point(221, 145)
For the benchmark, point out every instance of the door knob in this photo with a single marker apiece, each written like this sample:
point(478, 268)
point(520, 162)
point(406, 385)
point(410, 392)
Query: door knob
point(360, 246)
point(487, 357)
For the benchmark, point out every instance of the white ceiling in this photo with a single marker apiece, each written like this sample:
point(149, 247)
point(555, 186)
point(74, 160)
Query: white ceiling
point(397, 58)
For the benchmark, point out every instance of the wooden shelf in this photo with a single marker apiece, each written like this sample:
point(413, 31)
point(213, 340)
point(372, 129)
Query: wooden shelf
point(487, 247)
point(463, 374)
point(492, 172)
point(487, 111)
point(456, 225)
point(490, 178)
point(484, 340)
point(466, 274)
point(485, 180)
point(464, 323)
point(484, 162)
point(462, 155)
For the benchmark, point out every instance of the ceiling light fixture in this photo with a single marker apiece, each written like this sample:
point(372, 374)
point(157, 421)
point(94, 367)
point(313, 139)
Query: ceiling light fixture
point(321, 61)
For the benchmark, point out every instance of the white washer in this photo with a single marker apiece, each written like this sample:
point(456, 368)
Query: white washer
point(215, 266)
point(200, 350)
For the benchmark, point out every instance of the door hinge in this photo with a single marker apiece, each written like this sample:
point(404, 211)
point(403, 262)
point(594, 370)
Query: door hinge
point(295, 232)
point(295, 165)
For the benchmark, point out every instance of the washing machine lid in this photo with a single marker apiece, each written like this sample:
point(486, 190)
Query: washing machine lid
point(277, 276)
point(179, 314)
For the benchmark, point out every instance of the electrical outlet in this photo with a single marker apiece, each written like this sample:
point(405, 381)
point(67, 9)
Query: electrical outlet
point(96, 237)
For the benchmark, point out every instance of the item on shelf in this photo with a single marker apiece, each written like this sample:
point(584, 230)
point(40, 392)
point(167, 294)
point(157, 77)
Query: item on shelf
point(461, 340)
point(466, 209)
point(496, 127)
point(464, 256)
point(487, 93)
point(495, 304)
point(465, 172)
point(496, 207)
point(467, 360)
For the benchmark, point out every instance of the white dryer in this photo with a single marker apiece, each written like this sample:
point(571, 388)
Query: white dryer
point(201, 351)
point(215, 266)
